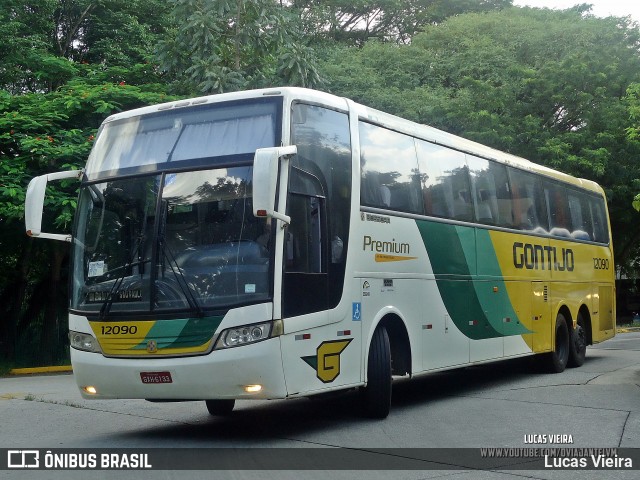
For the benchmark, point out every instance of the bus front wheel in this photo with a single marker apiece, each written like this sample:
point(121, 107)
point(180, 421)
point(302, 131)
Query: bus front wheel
point(220, 407)
point(558, 358)
point(376, 396)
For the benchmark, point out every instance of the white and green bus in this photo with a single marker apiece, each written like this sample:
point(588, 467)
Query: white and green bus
point(281, 243)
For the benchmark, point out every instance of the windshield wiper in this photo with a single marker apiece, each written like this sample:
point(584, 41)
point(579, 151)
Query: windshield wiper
point(115, 288)
point(177, 273)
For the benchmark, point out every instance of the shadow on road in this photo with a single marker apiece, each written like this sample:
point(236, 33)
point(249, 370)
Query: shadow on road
point(286, 419)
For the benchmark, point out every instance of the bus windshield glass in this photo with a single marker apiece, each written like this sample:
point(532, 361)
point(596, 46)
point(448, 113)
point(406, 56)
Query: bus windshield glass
point(184, 137)
point(183, 241)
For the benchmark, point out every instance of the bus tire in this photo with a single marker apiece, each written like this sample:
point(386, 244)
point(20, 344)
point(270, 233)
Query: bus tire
point(220, 407)
point(557, 359)
point(376, 396)
point(578, 343)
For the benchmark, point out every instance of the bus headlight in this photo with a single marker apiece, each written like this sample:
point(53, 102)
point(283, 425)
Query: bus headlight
point(246, 334)
point(84, 342)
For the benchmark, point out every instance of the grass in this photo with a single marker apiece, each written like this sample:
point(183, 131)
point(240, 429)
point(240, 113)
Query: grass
point(5, 368)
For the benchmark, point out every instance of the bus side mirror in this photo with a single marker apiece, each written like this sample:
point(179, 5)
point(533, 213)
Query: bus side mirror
point(265, 181)
point(34, 204)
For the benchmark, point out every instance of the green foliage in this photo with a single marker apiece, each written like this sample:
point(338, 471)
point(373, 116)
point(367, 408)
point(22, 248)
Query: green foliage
point(119, 32)
point(225, 45)
point(633, 131)
point(547, 85)
point(65, 65)
point(46, 132)
point(560, 88)
point(45, 41)
point(353, 22)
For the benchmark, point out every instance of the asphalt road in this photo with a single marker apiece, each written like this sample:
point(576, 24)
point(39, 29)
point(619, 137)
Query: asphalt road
point(504, 404)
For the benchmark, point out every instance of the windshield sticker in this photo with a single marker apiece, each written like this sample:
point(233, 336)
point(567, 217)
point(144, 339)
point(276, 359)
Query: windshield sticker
point(250, 288)
point(122, 296)
point(96, 269)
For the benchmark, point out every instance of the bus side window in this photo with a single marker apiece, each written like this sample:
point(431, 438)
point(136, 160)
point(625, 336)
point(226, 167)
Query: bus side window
point(373, 192)
point(492, 193)
point(528, 201)
point(580, 216)
point(443, 176)
point(559, 217)
point(390, 177)
point(600, 230)
point(303, 242)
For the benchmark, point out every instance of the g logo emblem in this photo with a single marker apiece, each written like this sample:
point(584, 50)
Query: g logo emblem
point(326, 362)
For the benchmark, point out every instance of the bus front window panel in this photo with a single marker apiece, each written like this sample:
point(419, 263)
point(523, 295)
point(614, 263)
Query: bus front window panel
point(207, 253)
point(224, 137)
point(142, 144)
point(211, 241)
point(112, 248)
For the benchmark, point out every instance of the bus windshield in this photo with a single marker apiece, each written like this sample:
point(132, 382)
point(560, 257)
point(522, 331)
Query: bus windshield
point(185, 137)
point(171, 241)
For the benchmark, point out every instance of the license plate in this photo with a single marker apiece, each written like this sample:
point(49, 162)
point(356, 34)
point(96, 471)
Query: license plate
point(156, 377)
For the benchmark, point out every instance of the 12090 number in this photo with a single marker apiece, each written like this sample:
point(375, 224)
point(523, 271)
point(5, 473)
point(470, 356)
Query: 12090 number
point(119, 330)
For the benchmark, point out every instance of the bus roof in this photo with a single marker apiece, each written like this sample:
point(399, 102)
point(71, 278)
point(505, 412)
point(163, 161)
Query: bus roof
point(372, 115)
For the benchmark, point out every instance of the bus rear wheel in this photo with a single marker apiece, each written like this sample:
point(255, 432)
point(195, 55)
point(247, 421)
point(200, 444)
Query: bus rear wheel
point(557, 360)
point(220, 407)
point(578, 343)
point(376, 396)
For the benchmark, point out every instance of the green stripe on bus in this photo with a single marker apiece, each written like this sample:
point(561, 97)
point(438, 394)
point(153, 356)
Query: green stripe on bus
point(181, 333)
point(473, 306)
point(496, 304)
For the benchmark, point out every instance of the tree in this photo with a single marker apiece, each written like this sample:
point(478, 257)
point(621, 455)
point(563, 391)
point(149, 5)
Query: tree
point(223, 45)
point(633, 132)
point(354, 22)
point(45, 40)
point(46, 132)
point(546, 85)
point(66, 65)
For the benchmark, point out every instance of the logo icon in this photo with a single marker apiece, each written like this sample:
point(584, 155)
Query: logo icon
point(152, 346)
point(23, 459)
point(326, 362)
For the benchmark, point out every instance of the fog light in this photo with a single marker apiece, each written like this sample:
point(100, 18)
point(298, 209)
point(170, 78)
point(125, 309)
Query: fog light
point(252, 388)
point(90, 389)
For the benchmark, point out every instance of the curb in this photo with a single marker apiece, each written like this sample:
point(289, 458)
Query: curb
point(35, 370)
point(627, 329)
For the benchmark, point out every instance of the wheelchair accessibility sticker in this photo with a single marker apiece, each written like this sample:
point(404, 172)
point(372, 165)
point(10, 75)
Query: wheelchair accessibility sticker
point(356, 311)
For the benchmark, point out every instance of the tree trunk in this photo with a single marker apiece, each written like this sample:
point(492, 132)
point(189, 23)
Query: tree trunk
point(15, 296)
point(49, 339)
